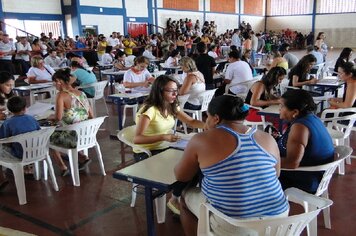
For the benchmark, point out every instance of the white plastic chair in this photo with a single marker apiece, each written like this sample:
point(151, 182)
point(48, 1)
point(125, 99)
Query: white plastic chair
point(126, 135)
point(86, 133)
point(248, 85)
point(342, 152)
point(35, 148)
point(339, 132)
point(37, 94)
point(99, 88)
point(205, 98)
point(277, 226)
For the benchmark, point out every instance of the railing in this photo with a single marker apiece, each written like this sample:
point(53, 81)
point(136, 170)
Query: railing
point(151, 26)
point(3, 24)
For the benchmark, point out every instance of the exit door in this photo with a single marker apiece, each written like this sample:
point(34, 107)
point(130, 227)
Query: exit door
point(135, 29)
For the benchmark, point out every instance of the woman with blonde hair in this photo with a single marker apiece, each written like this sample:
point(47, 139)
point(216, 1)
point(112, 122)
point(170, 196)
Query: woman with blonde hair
point(194, 83)
point(39, 71)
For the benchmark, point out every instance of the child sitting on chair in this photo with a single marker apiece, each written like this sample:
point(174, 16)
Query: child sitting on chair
point(19, 123)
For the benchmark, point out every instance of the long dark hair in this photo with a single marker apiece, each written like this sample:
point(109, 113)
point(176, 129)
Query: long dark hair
point(270, 80)
point(349, 68)
point(299, 99)
point(156, 97)
point(345, 53)
point(62, 74)
point(5, 77)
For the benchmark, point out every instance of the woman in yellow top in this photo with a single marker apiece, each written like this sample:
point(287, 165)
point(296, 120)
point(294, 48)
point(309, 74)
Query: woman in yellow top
point(102, 43)
point(279, 61)
point(129, 45)
point(155, 121)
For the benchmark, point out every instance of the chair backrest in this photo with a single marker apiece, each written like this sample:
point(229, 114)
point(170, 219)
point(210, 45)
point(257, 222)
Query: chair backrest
point(205, 98)
point(182, 99)
point(99, 88)
point(277, 226)
point(127, 134)
point(319, 74)
point(336, 119)
point(34, 144)
point(342, 152)
point(86, 131)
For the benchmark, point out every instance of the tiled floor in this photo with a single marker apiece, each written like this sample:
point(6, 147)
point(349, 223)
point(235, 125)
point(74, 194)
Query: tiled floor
point(101, 205)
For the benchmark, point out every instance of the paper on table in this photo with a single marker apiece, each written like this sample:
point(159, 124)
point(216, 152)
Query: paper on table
point(180, 144)
point(39, 109)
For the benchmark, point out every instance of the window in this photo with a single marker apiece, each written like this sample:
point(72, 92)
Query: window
point(337, 6)
point(290, 7)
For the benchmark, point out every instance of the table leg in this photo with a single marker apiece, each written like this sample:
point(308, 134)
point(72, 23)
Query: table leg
point(151, 231)
point(112, 79)
point(119, 113)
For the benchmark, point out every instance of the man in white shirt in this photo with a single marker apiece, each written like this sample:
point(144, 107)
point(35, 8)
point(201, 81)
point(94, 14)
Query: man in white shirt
point(237, 74)
point(23, 51)
point(254, 44)
point(113, 40)
point(7, 50)
point(53, 60)
point(235, 39)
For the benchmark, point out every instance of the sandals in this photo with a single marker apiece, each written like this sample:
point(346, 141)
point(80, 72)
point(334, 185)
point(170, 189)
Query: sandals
point(173, 207)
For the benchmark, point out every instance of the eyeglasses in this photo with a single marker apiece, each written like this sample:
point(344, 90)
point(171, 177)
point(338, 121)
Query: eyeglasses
point(172, 91)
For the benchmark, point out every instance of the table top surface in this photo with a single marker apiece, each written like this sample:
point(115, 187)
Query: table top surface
point(34, 86)
point(158, 168)
point(111, 72)
point(128, 95)
point(271, 110)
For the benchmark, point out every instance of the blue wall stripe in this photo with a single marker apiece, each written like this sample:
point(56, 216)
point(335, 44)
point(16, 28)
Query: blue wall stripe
point(156, 16)
point(124, 17)
point(314, 17)
point(150, 15)
point(32, 16)
point(96, 10)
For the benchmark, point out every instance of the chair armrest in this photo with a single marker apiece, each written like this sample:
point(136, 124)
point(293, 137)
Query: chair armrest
point(300, 197)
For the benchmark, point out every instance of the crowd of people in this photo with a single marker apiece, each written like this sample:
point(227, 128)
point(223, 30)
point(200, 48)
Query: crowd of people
point(196, 50)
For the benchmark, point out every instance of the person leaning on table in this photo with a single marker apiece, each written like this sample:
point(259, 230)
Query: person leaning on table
point(306, 142)
point(241, 179)
point(347, 73)
point(155, 121)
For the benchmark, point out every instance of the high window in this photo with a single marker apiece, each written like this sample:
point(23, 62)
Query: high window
point(337, 6)
point(290, 7)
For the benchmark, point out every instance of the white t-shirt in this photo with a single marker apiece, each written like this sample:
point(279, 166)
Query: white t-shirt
point(107, 59)
point(45, 74)
point(21, 47)
point(113, 42)
point(132, 77)
point(238, 72)
point(212, 54)
point(5, 48)
point(148, 54)
point(171, 62)
point(130, 60)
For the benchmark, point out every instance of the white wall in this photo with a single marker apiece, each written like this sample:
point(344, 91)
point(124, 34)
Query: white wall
point(223, 21)
point(68, 22)
point(100, 3)
point(299, 23)
point(32, 6)
point(136, 8)
point(257, 22)
point(106, 23)
point(340, 29)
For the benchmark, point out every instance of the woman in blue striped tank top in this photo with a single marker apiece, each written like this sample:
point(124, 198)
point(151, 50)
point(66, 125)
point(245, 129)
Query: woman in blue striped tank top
point(240, 167)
